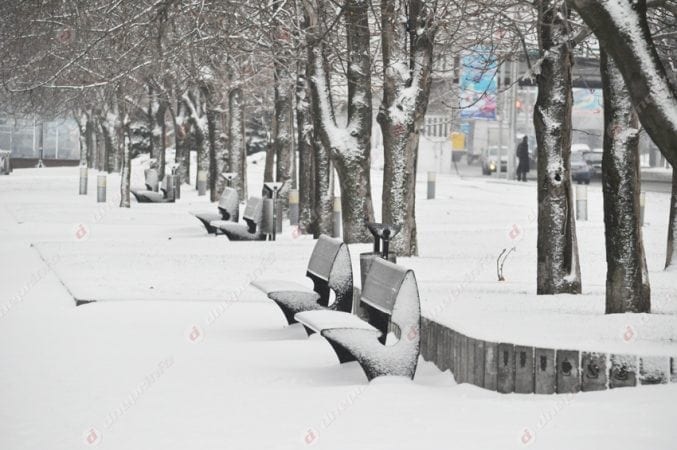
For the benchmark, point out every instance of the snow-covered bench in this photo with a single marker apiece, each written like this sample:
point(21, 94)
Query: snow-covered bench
point(248, 231)
point(390, 296)
point(330, 269)
point(150, 194)
point(228, 209)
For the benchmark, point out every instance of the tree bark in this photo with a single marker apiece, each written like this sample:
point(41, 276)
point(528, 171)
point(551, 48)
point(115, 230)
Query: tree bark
point(407, 44)
point(283, 111)
point(236, 140)
point(125, 151)
point(181, 156)
point(558, 267)
point(156, 114)
point(671, 257)
point(350, 146)
point(623, 32)
point(304, 129)
point(627, 283)
point(196, 103)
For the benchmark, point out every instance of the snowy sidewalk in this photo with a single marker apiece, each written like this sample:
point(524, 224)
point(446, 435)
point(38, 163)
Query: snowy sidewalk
point(179, 352)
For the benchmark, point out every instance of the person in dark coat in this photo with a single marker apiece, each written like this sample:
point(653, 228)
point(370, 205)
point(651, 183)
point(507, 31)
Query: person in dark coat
point(523, 155)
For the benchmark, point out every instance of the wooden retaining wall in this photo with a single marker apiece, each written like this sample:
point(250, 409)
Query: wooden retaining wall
point(506, 368)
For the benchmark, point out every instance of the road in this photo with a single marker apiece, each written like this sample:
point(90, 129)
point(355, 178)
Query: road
point(475, 171)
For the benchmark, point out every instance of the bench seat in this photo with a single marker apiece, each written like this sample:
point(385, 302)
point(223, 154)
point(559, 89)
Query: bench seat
point(391, 301)
point(325, 320)
point(329, 269)
point(234, 231)
point(207, 219)
point(143, 196)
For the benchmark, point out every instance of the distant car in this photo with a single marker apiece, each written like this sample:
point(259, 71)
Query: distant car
point(580, 148)
point(580, 170)
point(490, 159)
point(594, 160)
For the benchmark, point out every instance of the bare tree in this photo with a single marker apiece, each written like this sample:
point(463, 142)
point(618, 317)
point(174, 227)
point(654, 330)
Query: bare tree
point(627, 284)
point(558, 267)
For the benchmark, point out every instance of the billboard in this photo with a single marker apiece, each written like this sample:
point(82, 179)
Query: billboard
point(478, 85)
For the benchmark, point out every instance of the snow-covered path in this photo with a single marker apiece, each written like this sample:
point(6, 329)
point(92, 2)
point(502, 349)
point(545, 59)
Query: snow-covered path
point(179, 352)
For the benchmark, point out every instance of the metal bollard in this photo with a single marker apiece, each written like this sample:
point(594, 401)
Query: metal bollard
point(202, 182)
point(642, 203)
point(581, 202)
point(101, 189)
point(83, 180)
point(432, 178)
point(170, 188)
point(293, 207)
point(177, 186)
point(336, 218)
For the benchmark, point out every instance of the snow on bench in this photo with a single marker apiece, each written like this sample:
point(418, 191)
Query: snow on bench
point(228, 210)
point(390, 296)
point(329, 268)
point(241, 232)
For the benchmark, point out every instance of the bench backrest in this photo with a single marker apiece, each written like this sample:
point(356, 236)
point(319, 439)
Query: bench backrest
point(392, 290)
point(253, 213)
point(230, 203)
point(330, 268)
point(152, 179)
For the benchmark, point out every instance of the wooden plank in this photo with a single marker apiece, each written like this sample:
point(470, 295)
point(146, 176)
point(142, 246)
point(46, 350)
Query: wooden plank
point(424, 338)
point(443, 348)
point(478, 379)
point(545, 371)
point(654, 369)
point(432, 341)
point(460, 372)
point(470, 360)
point(593, 371)
point(490, 365)
point(452, 349)
point(623, 372)
point(673, 370)
point(524, 369)
point(568, 371)
point(506, 368)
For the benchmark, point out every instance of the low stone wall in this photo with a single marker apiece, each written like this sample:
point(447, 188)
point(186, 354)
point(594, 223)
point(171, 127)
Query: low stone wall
point(506, 368)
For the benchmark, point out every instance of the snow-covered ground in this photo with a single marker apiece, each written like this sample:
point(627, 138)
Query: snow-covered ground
point(180, 352)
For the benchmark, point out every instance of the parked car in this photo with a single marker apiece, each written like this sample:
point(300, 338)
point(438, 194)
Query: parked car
point(580, 170)
point(490, 159)
point(580, 148)
point(594, 160)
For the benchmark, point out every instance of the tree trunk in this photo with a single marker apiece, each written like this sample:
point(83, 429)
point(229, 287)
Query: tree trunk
point(627, 283)
point(196, 103)
point(558, 267)
point(125, 150)
point(623, 32)
point(304, 144)
point(82, 121)
point(671, 257)
point(158, 127)
point(236, 140)
point(283, 111)
point(350, 146)
point(407, 44)
point(181, 156)
point(90, 141)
